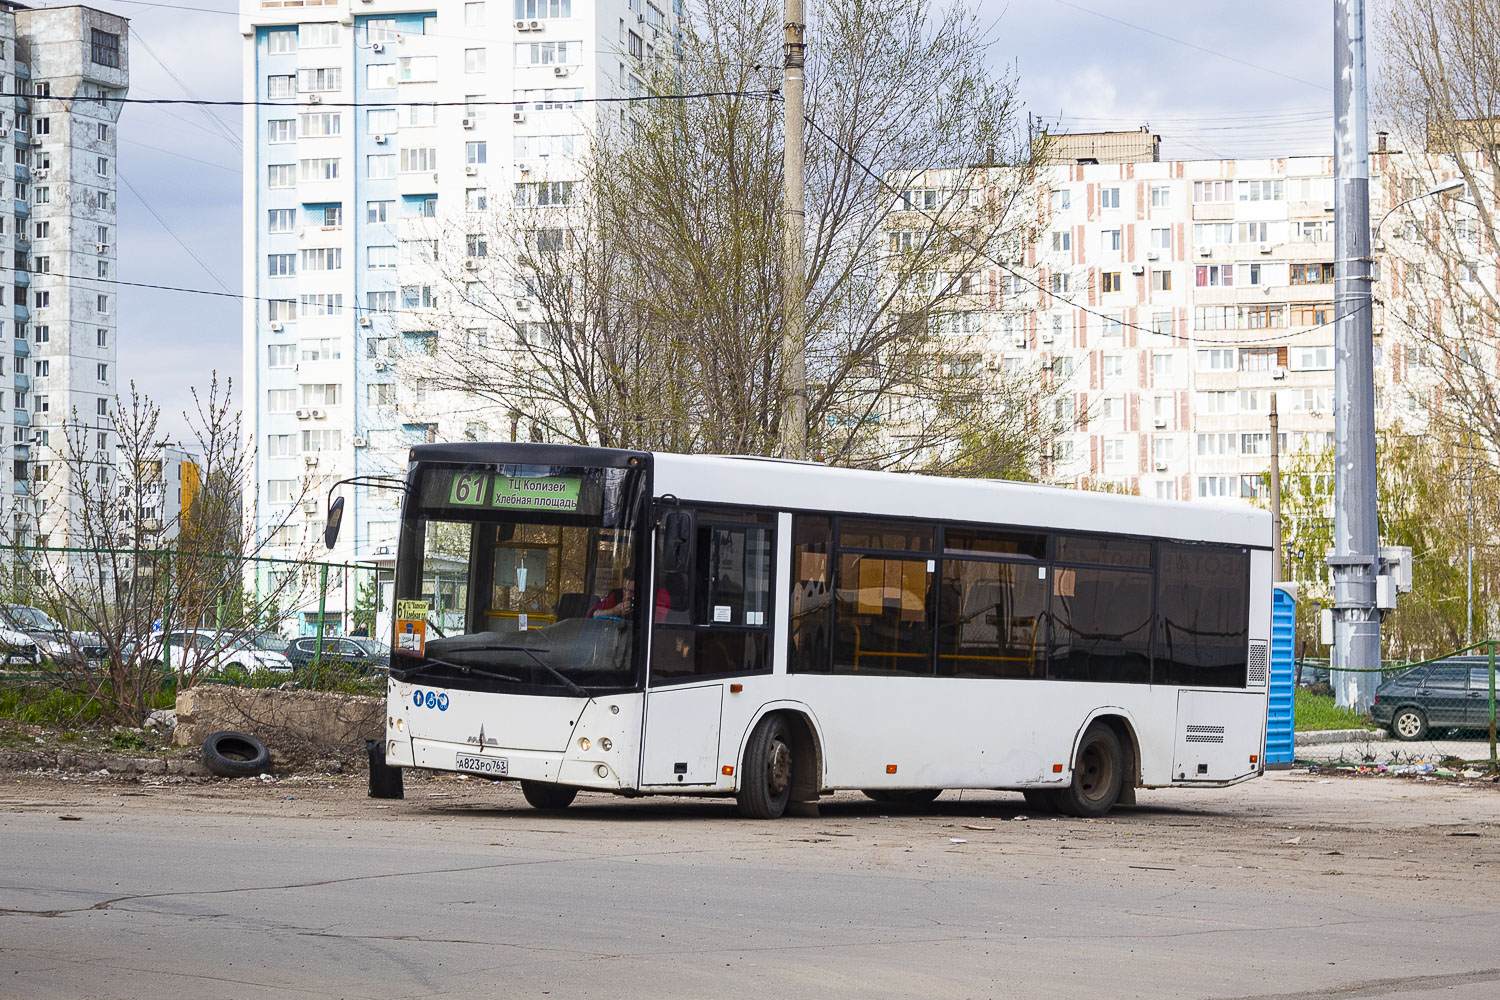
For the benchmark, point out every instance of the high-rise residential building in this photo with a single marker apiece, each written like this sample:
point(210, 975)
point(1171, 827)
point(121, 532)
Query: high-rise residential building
point(375, 125)
point(57, 233)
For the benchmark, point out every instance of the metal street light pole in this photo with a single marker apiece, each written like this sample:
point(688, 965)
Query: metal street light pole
point(794, 267)
point(1356, 621)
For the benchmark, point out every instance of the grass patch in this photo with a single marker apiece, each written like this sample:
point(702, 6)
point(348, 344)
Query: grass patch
point(27, 702)
point(1318, 711)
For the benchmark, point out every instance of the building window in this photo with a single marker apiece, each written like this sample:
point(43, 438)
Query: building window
point(320, 34)
point(1161, 281)
point(1110, 281)
point(1059, 284)
point(42, 264)
point(281, 265)
point(380, 29)
point(101, 305)
point(41, 299)
point(378, 211)
point(41, 195)
point(322, 79)
point(42, 334)
point(1312, 274)
point(1209, 192)
point(281, 130)
point(101, 337)
point(380, 302)
point(474, 60)
point(281, 175)
point(281, 356)
point(548, 53)
point(476, 152)
point(324, 168)
point(381, 166)
point(1162, 365)
point(380, 121)
point(1109, 197)
point(1215, 275)
point(281, 310)
point(1262, 190)
point(379, 258)
point(103, 132)
point(536, 9)
point(421, 159)
point(281, 87)
point(43, 229)
point(1161, 196)
point(280, 41)
point(281, 220)
point(104, 48)
point(42, 368)
point(476, 199)
point(416, 69)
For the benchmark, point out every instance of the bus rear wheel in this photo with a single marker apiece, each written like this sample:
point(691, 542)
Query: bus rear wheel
point(1098, 774)
point(903, 796)
point(767, 775)
point(543, 795)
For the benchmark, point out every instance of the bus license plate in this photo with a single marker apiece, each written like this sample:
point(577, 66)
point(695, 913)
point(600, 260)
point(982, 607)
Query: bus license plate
point(482, 765)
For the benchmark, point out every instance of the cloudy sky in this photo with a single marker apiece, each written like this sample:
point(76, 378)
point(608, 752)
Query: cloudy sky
point(1212, 78)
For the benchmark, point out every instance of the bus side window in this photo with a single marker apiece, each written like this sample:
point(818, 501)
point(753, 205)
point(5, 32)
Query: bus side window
point(812, 541)
point(719, 618)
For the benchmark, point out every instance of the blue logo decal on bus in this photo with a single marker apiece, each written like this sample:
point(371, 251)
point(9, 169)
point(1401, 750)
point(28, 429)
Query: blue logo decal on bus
point(431, 699)
point(443, 702)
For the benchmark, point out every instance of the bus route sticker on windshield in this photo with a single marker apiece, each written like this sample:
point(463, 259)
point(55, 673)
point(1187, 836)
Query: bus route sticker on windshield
point(411, 611)
point(411, 637)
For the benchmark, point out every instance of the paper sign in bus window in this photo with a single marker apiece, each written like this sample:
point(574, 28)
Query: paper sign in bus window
point(411, 637)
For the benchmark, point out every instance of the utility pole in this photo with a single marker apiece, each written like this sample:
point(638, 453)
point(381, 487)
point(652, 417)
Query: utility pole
point(1356, 541)
point(1276, 576)
point(794, 264)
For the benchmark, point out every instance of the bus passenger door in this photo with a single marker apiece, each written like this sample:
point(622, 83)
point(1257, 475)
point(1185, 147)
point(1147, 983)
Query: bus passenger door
point(711, 623)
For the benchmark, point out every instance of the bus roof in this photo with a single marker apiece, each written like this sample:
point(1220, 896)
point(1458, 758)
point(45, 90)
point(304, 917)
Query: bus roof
point(802, 486)
point(788, 485)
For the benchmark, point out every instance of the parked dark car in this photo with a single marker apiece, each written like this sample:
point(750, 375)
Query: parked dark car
point(362, 655)
point(1447, 694)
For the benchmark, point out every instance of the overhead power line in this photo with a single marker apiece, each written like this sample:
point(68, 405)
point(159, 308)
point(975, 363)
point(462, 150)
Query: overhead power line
point(313, 105)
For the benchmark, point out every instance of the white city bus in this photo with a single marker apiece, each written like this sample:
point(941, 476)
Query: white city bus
point(582, 618)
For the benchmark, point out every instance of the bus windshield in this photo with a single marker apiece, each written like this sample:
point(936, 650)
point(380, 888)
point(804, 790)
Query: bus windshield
point(514, 576)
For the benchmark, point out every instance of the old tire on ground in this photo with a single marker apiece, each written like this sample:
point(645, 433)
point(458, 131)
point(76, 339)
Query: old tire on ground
point(1409, 723)
point(386, 782)
point(544, 795)
point(235, 755)
point(766, 784)
point(903, 796)
point(1042, 800)
point(1098, 774)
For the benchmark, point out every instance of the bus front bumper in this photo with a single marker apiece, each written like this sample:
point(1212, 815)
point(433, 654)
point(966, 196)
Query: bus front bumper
point(505, 763)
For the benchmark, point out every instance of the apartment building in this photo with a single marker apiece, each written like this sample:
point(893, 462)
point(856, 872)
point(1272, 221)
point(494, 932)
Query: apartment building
point(378, 125)
point(63, 69)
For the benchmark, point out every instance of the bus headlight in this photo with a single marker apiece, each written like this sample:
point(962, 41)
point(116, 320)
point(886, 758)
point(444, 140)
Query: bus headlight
point(605, 743)
point(583, 743)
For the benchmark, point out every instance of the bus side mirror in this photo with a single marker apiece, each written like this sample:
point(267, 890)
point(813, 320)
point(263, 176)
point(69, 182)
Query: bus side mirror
point(677, 535)
point(335, 518)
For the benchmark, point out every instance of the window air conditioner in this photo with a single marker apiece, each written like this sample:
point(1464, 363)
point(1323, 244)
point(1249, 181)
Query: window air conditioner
point(471, 170)
point(523, 305)
point(516, 116)
point(1161, 423)
point(381, 366)
point(41, 173)
point(1278, 372)
point(276, 326)
point(102, 247)
point(309, 506)
point(364, 321)
point(1020, 340)
point(319, 414)
point(536, 26)
point(314, 99)
point(378, 47)
point(360, 441)
point(471, 265)
point(1137, 268)
point(521, 25)
point(640, 19)
point(311, 461)
point(468, 123)
point(382, 550)
point(380, 140)
point(36, 141)
point(1152, 255)
point(303, 414)
point(1161, 466)
point(1265, 248)
point(1046, 338)
point(556, 71)
point(1328, 205)
point(1205, 251)
point(4, 132)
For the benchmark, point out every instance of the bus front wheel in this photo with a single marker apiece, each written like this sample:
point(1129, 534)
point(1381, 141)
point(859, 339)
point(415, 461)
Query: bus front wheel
point(766, 783)
point(543, 795)
point(1098, 774)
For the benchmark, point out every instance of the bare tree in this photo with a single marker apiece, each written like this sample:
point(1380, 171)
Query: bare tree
point(124, 568)
point(637, 303)
point(1441, 94)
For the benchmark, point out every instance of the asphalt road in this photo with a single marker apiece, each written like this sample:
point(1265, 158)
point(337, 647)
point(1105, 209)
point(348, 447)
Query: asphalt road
point(1294, 886)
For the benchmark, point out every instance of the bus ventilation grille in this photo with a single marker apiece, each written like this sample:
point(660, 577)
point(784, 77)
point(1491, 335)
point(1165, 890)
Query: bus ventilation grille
point(1205, 734)
point(1259, 658)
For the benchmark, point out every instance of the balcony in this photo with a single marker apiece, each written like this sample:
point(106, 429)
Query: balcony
point(20, 452)
point(22, 382)
point(22, 314)
point(23, 173)
point(22, 209)
point(22, 488)
point(23, 278)
point(22, 418)
point(22, 348)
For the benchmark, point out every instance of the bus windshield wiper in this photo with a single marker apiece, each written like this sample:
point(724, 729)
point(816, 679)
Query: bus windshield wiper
point(562, 678)
point(462, 668)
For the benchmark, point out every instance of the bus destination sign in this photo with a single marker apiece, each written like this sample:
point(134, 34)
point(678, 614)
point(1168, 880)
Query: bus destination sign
point(480, 489)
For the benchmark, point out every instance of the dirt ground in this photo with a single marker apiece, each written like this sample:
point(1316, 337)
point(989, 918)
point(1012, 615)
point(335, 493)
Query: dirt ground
point(1371, 833)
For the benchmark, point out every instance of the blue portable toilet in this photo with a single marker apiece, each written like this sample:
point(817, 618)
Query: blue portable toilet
point(1280, 721)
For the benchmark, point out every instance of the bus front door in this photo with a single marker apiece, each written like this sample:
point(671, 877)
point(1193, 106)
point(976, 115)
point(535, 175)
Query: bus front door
point(682, 735)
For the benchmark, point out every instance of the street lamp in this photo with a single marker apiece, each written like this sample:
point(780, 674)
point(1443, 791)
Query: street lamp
point(1452, 184)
